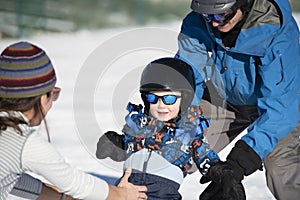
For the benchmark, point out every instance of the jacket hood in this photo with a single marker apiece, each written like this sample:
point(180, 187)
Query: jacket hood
point(262, 26)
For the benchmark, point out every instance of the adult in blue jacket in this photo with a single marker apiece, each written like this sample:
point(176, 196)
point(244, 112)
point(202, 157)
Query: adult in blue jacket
point(249, 51)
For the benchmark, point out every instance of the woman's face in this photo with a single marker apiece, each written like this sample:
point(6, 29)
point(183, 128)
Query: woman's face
point(47, 100)
point(46, 104)
point(162, 111)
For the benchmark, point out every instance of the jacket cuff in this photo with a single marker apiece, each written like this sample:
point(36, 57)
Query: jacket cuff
point(245, 157)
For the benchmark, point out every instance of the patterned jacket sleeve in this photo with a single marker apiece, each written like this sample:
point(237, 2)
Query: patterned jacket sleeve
point(203, 156)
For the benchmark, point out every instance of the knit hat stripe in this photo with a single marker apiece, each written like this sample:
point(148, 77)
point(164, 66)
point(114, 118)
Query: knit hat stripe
point(26, 74)
point(27, 91)
point(23, 64)
point(35, 87)
point(21, 49)
point(25, 71)
point(30, 81)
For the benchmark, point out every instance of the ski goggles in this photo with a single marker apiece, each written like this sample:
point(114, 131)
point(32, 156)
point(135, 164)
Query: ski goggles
point(168, 99)
point(221, 18)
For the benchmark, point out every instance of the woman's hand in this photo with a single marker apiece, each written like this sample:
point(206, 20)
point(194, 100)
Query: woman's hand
point(126, 190)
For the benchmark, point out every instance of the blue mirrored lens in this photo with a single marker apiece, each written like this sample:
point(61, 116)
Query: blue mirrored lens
point(151, 98)
point(169, 99)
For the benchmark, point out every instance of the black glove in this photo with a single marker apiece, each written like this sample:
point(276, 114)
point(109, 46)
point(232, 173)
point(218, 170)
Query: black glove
point(111, 145)
point(226, 176)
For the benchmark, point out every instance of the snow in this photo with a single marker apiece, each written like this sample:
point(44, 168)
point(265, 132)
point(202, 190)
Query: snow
point(99, 73)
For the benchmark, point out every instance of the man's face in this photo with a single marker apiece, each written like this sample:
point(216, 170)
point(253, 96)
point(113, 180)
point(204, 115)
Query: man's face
point(230, 24)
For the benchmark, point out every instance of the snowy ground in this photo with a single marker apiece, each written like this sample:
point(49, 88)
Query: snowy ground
point(99, 72)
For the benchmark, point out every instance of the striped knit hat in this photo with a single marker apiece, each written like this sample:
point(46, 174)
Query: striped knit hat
point(25, 71)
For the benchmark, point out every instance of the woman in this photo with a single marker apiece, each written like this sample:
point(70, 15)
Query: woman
point(27, 89)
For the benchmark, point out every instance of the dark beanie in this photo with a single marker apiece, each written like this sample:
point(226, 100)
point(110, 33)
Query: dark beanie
point(25, 71)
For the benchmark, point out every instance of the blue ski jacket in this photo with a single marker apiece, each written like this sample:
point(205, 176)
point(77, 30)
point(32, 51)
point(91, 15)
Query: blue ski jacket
point(262, 69)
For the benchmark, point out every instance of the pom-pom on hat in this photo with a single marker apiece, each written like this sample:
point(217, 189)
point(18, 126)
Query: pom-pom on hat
point(25, 71)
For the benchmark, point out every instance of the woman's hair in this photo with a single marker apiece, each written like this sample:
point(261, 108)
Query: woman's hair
point(8, 105)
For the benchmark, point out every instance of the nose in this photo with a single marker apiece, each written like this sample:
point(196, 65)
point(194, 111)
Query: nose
point(160, 103)
point(215, 24)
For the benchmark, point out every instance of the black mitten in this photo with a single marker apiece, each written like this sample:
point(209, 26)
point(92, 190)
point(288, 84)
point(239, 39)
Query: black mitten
point(111, 145)
point(225, 183)
point(226, 176)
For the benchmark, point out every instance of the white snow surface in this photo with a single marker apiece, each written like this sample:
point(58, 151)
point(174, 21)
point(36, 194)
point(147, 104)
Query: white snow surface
point(70, 54)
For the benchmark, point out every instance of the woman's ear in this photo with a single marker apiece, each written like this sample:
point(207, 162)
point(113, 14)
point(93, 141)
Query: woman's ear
point(46, 103)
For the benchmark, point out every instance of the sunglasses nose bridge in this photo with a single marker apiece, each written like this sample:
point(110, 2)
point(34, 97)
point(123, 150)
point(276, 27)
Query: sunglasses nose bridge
point(160, 101)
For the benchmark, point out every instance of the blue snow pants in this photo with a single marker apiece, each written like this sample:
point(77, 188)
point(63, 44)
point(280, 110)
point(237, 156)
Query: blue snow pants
point(158, 188)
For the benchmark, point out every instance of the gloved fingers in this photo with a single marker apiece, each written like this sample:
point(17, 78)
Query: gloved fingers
point(228, 182)
point(118, 155)
point(109, 145)
point(239, 191)
point(111, 135)
point(233, 190)
point(204, 179)
point(115, 138)
point(212, 192)
point(236, 192)
point(216, 191)
point(104, 147)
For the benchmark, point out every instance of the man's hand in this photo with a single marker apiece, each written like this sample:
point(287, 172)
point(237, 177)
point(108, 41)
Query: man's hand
point(225, 185)
point(226, 176)
point(111, 145)
point(126, 190)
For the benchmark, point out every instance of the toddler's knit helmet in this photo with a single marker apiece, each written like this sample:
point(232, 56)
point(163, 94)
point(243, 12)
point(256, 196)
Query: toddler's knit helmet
point(168, 74)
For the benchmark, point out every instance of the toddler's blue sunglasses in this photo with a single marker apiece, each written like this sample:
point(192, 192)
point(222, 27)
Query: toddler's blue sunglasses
point(168, 99)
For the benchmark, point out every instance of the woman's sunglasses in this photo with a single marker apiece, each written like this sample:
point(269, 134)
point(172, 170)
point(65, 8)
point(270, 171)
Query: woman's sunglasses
point(55, 93)
point(221, 18)
point(166, 99)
